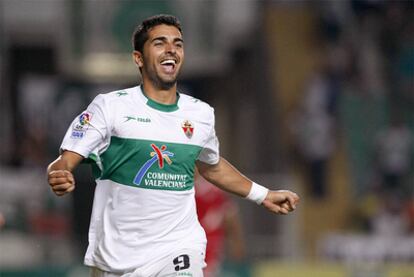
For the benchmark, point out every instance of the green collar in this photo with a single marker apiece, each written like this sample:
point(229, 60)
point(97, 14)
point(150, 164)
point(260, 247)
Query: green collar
point(159, 106)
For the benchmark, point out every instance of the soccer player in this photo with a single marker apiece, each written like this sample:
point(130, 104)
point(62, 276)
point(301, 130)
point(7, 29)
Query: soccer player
point(145, 143)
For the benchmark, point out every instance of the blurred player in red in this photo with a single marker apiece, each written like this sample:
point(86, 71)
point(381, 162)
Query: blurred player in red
point(219, 216)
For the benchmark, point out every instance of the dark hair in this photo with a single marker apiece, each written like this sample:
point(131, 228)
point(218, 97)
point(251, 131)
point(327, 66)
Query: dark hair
point(140, 35)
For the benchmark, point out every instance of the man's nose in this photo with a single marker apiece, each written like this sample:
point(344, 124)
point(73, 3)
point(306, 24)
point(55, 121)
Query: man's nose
point(170, 48)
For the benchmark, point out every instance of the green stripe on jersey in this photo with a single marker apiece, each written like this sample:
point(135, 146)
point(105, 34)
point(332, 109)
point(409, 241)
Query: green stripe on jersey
point(150, 164)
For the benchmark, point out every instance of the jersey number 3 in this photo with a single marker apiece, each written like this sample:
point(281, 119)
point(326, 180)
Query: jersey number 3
point(181, 262)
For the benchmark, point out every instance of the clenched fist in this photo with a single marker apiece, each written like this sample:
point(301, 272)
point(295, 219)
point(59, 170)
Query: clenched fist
point(61, 181)
point(281, 201)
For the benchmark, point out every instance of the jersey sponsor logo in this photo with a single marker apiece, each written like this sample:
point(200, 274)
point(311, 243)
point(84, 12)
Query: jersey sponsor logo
point(137, 119)
point(158, 179)
point(159, 154)
point(188, 128)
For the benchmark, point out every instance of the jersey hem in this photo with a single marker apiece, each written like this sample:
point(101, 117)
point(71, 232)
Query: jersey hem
point(93, 263)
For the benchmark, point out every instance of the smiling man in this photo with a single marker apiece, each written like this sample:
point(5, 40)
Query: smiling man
point(145, 144)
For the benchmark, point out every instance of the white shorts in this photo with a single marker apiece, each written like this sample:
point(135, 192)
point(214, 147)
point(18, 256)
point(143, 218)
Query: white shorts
point(184, 263)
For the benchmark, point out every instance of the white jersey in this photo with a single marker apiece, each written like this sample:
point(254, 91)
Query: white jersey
point(143, 155)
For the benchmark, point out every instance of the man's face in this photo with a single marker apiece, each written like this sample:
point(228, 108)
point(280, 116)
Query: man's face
point(162, 57)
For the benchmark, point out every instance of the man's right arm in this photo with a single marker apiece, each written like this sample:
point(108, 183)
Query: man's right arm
point(59, 172)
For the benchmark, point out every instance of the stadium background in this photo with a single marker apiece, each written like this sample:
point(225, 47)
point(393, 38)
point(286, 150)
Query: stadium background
point(299, 87)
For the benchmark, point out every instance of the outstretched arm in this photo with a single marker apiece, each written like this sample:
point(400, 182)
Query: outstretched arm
point(59, 172)
point(228, 178)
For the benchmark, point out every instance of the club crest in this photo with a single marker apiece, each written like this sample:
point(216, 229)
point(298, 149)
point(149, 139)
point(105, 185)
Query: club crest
point(188, 128)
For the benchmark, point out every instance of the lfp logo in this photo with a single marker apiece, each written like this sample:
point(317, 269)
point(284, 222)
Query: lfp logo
point(84, 118)
point(159, 154)
point(80, 127)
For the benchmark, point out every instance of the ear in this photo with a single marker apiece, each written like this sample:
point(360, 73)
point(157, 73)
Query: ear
point(138, 58)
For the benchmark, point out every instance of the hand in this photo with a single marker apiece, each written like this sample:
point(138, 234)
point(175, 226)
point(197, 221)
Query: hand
point(281, 201)
point(61, 181)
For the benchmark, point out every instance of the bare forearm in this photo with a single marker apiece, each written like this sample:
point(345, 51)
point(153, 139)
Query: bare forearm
point(59, 164)
point(59, 172)
point(226, 177)
point(66, 161)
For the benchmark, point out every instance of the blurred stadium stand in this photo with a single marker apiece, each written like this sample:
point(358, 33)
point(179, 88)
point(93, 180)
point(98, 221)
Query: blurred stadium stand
point(275, 71)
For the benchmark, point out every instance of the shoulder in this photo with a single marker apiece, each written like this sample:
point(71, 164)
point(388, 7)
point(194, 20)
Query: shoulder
point(113, 96)
point(119, 94)
point(190, 103)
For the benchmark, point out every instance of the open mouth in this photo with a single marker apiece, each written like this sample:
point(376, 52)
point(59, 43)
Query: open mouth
point(168, 65)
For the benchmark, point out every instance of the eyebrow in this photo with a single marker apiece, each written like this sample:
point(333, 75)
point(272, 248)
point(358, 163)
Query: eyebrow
point(163, 38)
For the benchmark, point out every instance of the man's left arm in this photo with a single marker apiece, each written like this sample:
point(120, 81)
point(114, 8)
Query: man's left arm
point(228, 178)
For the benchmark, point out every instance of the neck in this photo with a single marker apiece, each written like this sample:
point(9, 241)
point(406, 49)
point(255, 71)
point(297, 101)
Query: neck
point(162, 96)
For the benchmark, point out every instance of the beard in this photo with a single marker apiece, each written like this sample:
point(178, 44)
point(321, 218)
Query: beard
point(159, 82)
point(162, 84)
